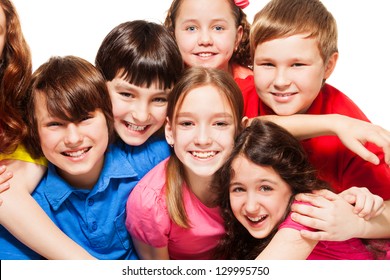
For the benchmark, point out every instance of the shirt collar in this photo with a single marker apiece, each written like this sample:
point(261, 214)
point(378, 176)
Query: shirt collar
point(115, 166)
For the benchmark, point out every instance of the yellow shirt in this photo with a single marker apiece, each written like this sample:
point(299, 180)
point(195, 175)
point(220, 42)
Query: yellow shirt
point(21, 154)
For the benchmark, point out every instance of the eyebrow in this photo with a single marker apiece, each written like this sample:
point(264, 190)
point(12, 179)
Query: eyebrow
point(128, 86)
point(186, 114)
point(191, 20)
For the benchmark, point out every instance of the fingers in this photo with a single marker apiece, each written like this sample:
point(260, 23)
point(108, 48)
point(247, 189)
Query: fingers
point(314, 235)
point(366, 204)
point(4, 177)
point(361, 151)
point(4, 174)
point(306, 220)
point(382, 139)
point(368, 207)
point(317, 198)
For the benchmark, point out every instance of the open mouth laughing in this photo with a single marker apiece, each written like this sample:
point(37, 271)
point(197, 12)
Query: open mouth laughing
point(257, 220)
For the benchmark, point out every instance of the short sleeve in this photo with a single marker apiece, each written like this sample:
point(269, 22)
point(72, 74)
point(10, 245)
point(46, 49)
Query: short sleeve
point(21, 154)
point(289, 223)
point(147, 217)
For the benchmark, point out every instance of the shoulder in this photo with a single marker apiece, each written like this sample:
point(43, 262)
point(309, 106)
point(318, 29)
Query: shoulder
point(289, 223)
point(147, 216)
point(149, 192)
point(21, 154)
point(241, 72)
point(330, 100)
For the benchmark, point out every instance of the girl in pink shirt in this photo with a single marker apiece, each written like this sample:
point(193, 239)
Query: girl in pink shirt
point(172, 212)
point(256, 187)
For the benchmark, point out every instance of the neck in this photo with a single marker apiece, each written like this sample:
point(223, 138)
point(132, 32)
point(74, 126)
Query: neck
point(85, 181)
point(201, 187)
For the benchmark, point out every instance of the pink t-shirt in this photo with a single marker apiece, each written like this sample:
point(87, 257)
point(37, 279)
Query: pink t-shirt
point(148, 220)
point(352, 249)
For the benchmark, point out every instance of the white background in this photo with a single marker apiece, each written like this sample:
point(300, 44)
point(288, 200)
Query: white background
point(77, 27)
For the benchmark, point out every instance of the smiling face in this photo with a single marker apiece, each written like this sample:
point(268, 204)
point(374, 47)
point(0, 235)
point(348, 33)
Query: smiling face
point(202, 131)
point(76, 149)
point(206, 33)
point(289, 73)
point(258, 196)
point(138, 111)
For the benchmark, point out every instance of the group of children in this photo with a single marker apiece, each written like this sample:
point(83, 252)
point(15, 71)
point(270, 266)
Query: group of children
point(148, 155)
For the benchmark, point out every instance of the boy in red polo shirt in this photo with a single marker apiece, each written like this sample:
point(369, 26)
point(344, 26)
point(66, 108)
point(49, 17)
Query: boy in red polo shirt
point(294, 46)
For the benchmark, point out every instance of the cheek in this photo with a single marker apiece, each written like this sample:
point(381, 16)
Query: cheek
point(184, 42)
point(159, 113)
point(48, 144)
point(235, 203)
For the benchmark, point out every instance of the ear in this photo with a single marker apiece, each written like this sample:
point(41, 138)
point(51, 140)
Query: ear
point(240, 32)
point(245, 122)
point(331, 64)
point(169, 133)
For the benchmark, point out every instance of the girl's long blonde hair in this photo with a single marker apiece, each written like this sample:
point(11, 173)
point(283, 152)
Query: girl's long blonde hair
point(195, 77)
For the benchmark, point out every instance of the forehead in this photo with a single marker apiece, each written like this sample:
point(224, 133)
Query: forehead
point(205, 99)
point(205, 10)
point(298, 45)
point(40, 106)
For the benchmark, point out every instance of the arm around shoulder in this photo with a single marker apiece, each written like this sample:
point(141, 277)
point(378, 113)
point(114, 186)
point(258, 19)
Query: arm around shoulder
point(21, 215)
point(287, 244)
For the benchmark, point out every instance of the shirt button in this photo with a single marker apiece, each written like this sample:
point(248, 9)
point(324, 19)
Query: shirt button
point(94, 226)
point(90, 201)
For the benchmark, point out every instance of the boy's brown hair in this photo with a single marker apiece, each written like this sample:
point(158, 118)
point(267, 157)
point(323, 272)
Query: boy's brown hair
point(284, 18)
point(72, 88)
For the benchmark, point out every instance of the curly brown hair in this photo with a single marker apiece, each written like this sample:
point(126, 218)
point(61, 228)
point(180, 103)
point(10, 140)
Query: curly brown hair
point(265, 144)
point(15, 75)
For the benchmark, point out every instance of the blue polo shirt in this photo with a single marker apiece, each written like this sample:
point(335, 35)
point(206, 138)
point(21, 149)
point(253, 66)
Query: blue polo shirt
point(95, 219)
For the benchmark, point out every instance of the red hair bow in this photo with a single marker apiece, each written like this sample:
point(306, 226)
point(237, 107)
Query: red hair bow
point(242, 3)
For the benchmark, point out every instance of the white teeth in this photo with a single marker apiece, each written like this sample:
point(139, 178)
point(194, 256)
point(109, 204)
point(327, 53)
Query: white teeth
point(205, 54)
point(136, 127)
point(76, 154)
point(257, 219)
point(204, 155)
point(283, 94)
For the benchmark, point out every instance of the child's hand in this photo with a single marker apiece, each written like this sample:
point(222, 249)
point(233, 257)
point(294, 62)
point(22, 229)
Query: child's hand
point(366, 204)
point(355, 133)
point(329, 213)
point(4, 177)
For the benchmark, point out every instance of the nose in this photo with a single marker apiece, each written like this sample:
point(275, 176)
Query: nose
point(73, 135)
point(140, 112)
point(252, 204)
point(281, 78)
point(203, 136)
point(205, 38)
